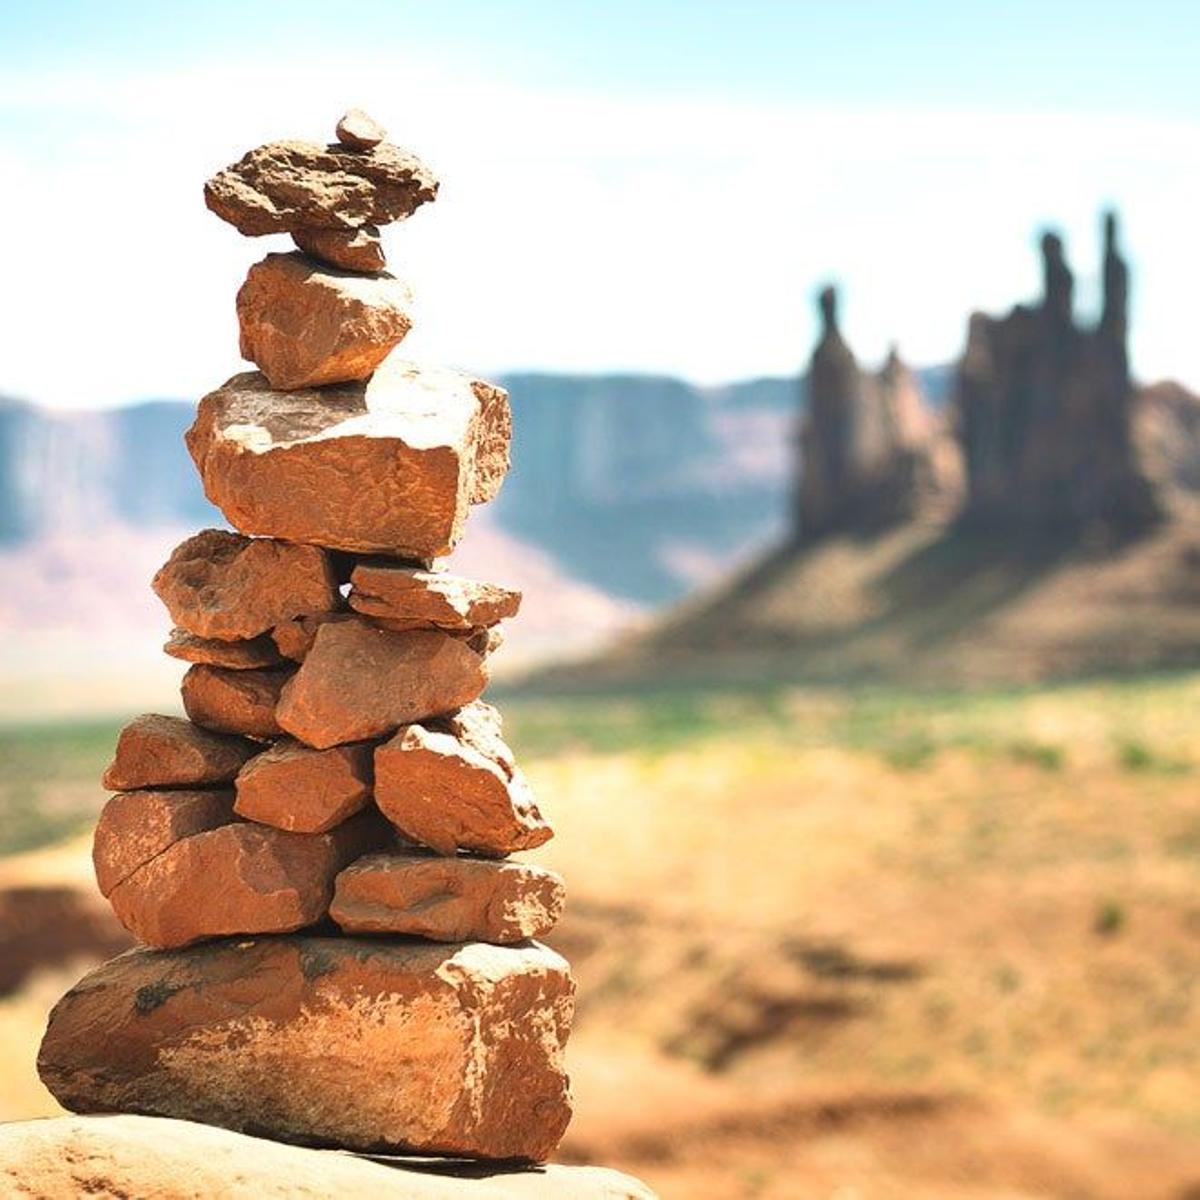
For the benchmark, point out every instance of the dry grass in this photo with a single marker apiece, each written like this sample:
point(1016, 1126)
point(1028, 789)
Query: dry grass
point(868, 944)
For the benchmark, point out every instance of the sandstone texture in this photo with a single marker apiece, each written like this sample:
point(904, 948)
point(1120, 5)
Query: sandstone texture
point(159, 751)
point(305, 324)
point(239, 878)
point(135, 827)
point(303, 790)
point(290, 185)
point(359, 682)
point(444, 794)
point(244, 654)
point(419, 599)
point(295, 638)
point(150, 1157)
point(240, 702)
point(479, 726)
point(365, 1044)
point(359, 131)
point(223, 585)
point(390, 465)
point(447, 899)
point(350, 249)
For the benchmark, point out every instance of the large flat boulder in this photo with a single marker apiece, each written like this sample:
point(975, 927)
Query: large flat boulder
point(455, 899)
point(151, 1158)
point(390, 465)
point(363, 1044)
point(293, 787)
point(305, 324)
point(218, 584)
point(445, 794)
point(408, 597)
point(359, 682)
point(288, 185)
point(159, 751)
point(239, 878)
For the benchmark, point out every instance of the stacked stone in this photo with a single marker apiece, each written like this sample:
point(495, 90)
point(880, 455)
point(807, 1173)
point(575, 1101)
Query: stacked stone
point(337, 944)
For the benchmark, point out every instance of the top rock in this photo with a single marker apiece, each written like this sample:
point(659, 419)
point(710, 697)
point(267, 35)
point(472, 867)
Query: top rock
point(290, 185)
point(359, 131)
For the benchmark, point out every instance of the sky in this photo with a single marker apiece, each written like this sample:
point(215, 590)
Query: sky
point(628, 186)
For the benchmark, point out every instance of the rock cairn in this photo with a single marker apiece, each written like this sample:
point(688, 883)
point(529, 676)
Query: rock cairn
point(336, 946)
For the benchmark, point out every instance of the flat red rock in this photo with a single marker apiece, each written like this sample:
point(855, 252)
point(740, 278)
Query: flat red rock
point(135, 827)
point(306, 324)
point(294, 787)
point(239, 878)
point(390, 465)
point(444, 794)
point(159, 751)
point(241, 655)
point(454, 899)
point(360, 682)
point(240, 702)
point(350, 249)
point(222, 585)
point(417, 599)
point(364, 1044)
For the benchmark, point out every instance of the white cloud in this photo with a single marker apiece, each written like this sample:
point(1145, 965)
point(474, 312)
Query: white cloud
point(573, 232)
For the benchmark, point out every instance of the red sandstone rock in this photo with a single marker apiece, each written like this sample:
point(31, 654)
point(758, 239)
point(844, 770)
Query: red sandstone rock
point(386, 466)
point(234, 701)
point(241, 655)
point(479, 726)
point(350, 249)
point(418, 599)
point(295, 638)
point(306, 325)
point(302, 790)
point(359, 131)
point(219, 584)
point(147, 1157)
point(290, 185)
point(447, 899)
point(360, 682)
point(134, 827)
point(240, 878)
point(363, 1044)
point(444, 794)
point(158, 751)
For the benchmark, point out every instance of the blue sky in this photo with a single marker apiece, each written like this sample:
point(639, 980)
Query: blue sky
point(652, 186)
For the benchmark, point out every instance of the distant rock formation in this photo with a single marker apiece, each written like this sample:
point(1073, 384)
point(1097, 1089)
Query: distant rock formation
point(1044, 411)
point(869, 453)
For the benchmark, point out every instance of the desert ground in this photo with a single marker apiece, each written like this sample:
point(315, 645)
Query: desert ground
point(830, 943)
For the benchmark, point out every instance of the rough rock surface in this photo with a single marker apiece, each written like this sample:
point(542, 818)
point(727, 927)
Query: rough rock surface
point(240, 702)
point(447, 899)
point(351, 249)
point(1044, 412)
point(418, 599)
point(290, 185)
point(148, 1157)
point(135, 827)
point(386, 466)
point(306, 324)
point(240, 878)
point(444, 794)
point(244, 654)
point(303, 790)
point(295, 638)
point(359, 682)
point(219, 584)
point(479, 726)
point(158, 751)
point(360, 131)
point(365, 1044)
